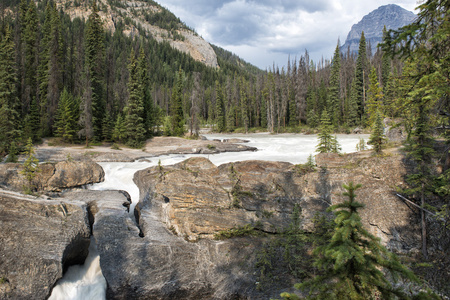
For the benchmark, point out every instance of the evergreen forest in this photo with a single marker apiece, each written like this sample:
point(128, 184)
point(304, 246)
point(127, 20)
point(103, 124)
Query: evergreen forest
point(73, 79)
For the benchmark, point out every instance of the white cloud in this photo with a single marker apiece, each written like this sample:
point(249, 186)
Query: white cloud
point(267, 31)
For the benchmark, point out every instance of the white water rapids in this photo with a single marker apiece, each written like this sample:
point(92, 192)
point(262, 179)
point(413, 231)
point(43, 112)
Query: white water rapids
point(86, 282)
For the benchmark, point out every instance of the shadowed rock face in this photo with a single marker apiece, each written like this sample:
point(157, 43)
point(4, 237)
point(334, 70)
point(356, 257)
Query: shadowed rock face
point(196, 199)
point(38, 239)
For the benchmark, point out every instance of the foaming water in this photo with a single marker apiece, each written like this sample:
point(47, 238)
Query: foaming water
point(82, 281)
point(293, 148)
point(87, 282)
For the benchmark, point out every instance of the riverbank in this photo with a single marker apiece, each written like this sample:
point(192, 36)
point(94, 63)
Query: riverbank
point(157, 146)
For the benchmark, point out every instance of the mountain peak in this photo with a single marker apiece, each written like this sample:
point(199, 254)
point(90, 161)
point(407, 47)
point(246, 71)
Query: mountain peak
point(392, 16)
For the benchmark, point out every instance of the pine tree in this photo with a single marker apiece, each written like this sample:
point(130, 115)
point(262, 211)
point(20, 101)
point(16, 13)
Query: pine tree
point(55, 67)
point(327, 143)
point(374, 98)
point(32, 122)
point(334, 88)
point(244, 104)
point(353, 118)
point(10, 129)
point(194, 123)
point(176, 107)
point(94, 71)
point(420, 150)
point(264, 108)
point(107, 127)
point(134, 111)
point(220, 108)
point(30, 165)
point(149, 113)
point(377, 138)
point(66, 117)
point(30, 37)
point(43, 69)
point(385, 65)
point(361, 78)
point(354, 262)
point(119, 132)
point(231, 113)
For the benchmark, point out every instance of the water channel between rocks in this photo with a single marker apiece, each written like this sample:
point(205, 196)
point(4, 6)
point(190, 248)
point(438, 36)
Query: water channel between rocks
point(87, 282)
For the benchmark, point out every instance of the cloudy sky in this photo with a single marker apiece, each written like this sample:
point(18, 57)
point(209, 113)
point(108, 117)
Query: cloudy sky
point(264, 32)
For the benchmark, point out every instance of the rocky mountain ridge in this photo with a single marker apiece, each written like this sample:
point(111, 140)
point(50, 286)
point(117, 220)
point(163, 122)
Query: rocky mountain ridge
point(392, 16)
point(135, 14)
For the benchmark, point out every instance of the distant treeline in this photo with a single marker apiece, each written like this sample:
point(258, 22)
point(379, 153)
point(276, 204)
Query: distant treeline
point(73, 79)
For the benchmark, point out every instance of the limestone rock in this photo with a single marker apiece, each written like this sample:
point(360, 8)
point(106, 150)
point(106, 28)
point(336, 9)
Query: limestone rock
point(53, 176)
point(38, 240)
point(392, 16)
point(160, 265)
point(196, 199)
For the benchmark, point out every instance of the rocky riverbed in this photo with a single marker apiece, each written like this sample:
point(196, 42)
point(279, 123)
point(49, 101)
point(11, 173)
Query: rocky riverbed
point(156, 146)
point(167, 250)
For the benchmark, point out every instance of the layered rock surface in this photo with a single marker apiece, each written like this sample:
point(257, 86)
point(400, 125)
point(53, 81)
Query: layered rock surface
point(38, 239)
point(196, 199)
point(53, 176)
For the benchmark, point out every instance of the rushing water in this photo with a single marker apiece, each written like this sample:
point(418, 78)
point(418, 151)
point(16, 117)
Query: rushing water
point(82, 282)
point(87, 282)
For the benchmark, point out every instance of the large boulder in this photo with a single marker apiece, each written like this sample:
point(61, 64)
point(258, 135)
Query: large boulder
point(53, 176)
point(39, 239)
point(196, 199)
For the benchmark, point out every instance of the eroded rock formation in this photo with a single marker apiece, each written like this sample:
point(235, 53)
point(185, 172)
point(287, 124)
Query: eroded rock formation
point(53, 176)
point(38, 239)
point(196, 199)
point(166, 251)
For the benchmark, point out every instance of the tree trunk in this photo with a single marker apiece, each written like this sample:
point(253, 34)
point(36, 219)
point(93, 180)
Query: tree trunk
point(423, 223)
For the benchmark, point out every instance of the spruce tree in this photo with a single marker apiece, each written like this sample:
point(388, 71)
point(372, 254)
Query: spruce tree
point(67, 117)
point(134, 111)
point(374, 98)
point(327, 142)
point(94, 70)
point(30, 44)
point(176, 107)
point(385, 65)
point(361, 77)
point(353, 118)
point(149, 113)
point(244, 104)
point(119, 132)
point(43, 69)
point(230, 120)
point(220, 108)
point(354, 263)
point(10, 125)
point(420, 149)
point(334, 88)
point(30, 166)
point(32, 122)
point(377, 138)
point(195, 99)
point(55, 68)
